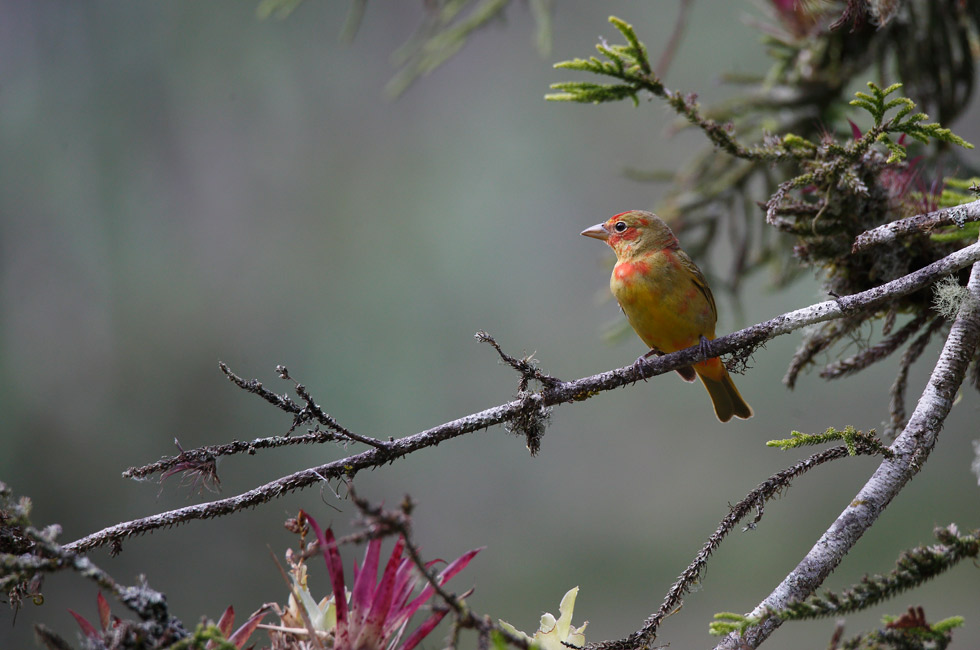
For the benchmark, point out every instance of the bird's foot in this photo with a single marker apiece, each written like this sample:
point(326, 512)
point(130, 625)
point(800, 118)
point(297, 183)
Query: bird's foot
point(704, 347)
point(643, 360)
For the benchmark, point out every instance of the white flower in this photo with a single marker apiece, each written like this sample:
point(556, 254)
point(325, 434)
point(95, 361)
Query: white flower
point(554, 633)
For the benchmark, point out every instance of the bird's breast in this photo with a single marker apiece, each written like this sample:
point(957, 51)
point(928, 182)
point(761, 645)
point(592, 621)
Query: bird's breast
point(640, 280)
point(661, 301)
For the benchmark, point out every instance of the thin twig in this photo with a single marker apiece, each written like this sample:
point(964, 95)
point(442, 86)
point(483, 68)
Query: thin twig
point(667, 55)
point(321, 416)
point(875, 353)
point(282, 402)
point(312, 412)
point(896, 406)
point(571, 391)
point(816, 342)
point(754, 500)
point(526, 366)
point(208, 452)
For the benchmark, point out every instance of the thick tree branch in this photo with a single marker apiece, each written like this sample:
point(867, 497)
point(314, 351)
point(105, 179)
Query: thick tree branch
point(911, 448)
point(743, 340)
point(921, 223)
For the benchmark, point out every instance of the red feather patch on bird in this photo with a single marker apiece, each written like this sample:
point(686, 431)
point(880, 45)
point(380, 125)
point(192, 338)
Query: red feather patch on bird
point(627, 271)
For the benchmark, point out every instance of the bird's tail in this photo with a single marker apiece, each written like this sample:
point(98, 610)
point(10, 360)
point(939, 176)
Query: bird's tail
point(725, 397)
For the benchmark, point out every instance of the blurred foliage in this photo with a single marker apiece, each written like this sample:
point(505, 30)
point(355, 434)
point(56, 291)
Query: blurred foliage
point(826, 180)
point(446, 24)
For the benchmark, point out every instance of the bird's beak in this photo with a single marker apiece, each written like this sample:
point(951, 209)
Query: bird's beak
point(597, 231)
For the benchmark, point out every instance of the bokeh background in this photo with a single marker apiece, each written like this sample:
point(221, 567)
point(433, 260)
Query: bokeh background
point(183, 183)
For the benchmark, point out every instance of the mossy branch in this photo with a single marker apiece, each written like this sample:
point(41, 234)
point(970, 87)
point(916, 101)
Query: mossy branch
point(741, 342)
point(914, 567)
point(962, 217)
point(911, 450)
point(728, 622)
point(904, 121)
point(853, 439)
point(754, 501)
point(831, 167)
point(630, 64)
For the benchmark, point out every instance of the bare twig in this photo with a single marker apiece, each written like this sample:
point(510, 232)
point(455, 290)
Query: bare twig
point(396, 522)
point(911, 449)
point(282, 402)
point(896, 406)
point(572, 391)
point(208, 452)
point(870, 355)
point(816, 342)
point(667, 55)
point(204, 456)
point(526, 366)
point(313, 411)
point(922, 223)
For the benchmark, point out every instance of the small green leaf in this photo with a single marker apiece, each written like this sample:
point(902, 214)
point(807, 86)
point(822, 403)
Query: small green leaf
point(889, 90)
point(728, 622)
point(947, 624)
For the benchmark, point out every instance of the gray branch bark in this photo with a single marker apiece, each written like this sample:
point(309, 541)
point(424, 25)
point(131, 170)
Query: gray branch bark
point(535, 404)
point(920, 223)
point(911, 448)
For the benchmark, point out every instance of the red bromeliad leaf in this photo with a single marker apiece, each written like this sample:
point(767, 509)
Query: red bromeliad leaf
point(423, 630)
point(105, 616)
point(87, 628)
point(328, 545)
point(372, 632)
point(855, 131)
point(226, 621)
point(452, 569)
point(241, 635)
point(364, 581)
point(377, 609)
point(405, 583)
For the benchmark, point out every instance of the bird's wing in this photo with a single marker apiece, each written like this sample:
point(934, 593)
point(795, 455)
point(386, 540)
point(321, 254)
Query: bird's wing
point(698, 279)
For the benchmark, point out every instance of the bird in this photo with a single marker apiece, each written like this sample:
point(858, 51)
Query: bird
point(666, 300)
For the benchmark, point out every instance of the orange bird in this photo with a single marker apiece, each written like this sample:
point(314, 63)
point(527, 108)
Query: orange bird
point(667, 300)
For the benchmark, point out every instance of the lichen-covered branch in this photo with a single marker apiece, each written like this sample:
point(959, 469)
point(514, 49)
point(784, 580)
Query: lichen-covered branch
point(957, 215)
point(896, 404)
point(753, 501)
point(533, 405)
point(630, 65)
point(26, 553)
point(868, 356)
point(910, 449)
point(914, 567)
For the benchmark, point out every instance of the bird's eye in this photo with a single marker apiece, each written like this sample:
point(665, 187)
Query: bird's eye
point(620, 226)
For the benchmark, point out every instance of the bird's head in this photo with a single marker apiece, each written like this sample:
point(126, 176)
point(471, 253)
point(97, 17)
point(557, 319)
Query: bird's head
point(634, 232)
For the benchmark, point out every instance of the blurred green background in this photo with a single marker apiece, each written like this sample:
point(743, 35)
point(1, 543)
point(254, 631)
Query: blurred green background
point(183, 183)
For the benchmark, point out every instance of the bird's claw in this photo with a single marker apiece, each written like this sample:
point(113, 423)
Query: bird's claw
point(704, 347)
point(643, 360)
